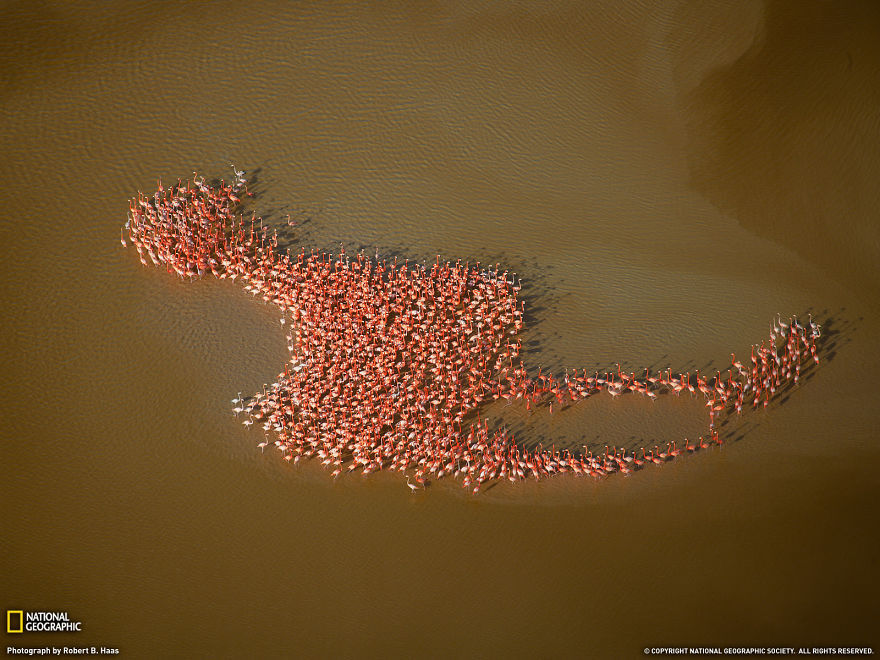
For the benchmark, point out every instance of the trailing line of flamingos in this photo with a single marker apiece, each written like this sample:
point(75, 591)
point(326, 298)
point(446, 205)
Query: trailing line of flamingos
point(390, 362)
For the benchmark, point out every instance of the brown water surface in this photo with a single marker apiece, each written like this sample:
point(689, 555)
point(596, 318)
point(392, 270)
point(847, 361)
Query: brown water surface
point(664, 180)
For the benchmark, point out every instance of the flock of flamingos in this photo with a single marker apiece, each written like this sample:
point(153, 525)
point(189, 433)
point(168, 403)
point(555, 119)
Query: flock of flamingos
point(390, 362)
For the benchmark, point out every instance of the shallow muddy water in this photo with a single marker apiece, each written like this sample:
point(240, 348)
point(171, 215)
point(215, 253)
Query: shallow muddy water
point(664, 181)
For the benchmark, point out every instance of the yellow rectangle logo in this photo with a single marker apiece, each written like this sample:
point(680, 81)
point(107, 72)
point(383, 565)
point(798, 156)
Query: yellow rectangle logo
point(14, 621)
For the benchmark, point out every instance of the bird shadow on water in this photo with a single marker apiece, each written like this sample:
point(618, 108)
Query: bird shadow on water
point(297, 228)
point(836, 332)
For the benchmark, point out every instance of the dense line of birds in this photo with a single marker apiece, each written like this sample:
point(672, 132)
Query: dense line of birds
point(390, 362)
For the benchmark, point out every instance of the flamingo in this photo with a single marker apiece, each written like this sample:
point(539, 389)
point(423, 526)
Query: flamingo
point(389, 359)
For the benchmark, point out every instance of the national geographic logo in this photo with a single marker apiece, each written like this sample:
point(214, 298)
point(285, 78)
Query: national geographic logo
point(14, 621)
point(19, 621)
